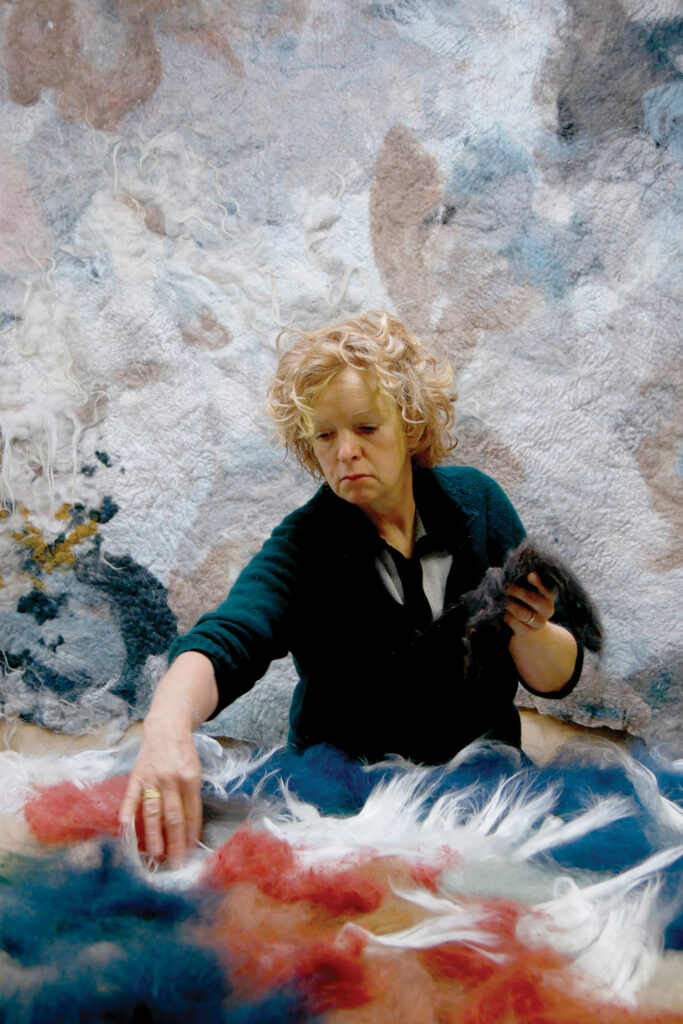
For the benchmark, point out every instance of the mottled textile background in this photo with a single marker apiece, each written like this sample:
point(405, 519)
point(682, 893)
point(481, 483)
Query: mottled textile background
point(180, 180)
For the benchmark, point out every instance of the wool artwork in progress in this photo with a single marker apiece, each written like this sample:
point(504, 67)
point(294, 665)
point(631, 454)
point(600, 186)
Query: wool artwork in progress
point(328, 890)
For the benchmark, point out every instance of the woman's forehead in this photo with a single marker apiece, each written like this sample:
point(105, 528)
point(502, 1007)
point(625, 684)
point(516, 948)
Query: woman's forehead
point(352, 393)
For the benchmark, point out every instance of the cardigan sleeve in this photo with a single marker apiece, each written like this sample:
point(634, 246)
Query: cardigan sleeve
point(251, 628)
point(504, 527)
point(571, 682)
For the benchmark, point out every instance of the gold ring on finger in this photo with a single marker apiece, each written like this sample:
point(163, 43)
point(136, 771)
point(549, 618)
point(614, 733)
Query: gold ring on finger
point(151, 794)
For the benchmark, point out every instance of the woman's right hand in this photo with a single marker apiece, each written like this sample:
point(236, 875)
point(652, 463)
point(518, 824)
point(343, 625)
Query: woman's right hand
point(166, 778)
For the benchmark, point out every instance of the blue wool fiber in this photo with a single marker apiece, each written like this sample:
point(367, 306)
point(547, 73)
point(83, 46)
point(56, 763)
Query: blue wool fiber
point(322, 775)
point(669, 774)
point(673, 934)
point(486, 767)
point(580, 782)
point(283, 1008)
point(672, 905)
point(90, 944)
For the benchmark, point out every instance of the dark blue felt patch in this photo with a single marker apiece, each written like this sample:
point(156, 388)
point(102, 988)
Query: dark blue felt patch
point(139, 601)
point(321, 775)
point(96, 944)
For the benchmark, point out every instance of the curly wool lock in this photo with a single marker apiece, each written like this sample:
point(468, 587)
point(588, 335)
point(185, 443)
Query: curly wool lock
point(377, 342)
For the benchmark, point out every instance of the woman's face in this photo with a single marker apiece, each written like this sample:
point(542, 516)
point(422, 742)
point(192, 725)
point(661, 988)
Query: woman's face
point(360, 443)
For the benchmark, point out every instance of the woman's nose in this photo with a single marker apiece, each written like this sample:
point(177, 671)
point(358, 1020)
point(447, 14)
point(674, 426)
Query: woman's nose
point(348, 447)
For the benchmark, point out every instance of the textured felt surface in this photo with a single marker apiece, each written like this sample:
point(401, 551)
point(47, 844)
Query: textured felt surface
point(325, 890)
point(181, 180)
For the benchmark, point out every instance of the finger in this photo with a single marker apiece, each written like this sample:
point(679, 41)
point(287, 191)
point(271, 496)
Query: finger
point(530, 600)
point(523, 614)
point(193, 811)
point(522, 610)
point(131, 801)
point(517, 626)
point(152, 816)
point(174, 824)
point(529, 597)
point(535, 580)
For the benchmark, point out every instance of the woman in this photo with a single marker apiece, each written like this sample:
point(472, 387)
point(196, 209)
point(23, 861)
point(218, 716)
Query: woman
point(351, 582)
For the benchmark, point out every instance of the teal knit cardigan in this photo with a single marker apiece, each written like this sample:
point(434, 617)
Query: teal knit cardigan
point(368, 682)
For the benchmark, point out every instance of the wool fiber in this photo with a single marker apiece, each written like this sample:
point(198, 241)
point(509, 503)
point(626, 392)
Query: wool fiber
point(329, 890)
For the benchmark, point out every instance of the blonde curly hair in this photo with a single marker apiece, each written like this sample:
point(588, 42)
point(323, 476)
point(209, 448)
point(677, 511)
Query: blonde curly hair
point(373, 341)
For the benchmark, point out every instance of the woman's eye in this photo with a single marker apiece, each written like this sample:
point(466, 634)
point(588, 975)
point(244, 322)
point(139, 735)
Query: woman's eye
point(367, 428)
point(323, 435)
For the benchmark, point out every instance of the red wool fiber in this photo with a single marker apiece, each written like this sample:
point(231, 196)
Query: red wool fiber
point(330, 978)
point(536, 987)
point(270, 863)
point(66, 813)
point(401, 993)
point(528, 987)
point(469, 965)
point(270, 946)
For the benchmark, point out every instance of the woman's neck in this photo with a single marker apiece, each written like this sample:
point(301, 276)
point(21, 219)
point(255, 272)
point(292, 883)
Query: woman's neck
point(396, 523)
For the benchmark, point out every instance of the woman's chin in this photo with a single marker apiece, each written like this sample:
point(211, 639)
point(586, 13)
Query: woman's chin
point(357, 492)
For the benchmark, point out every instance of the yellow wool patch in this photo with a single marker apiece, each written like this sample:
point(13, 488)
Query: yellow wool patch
point(60, 555)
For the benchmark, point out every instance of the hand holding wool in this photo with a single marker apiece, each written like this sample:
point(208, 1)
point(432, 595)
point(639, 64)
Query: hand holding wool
point(544, 653)
point(522, 594)
point(528, 608)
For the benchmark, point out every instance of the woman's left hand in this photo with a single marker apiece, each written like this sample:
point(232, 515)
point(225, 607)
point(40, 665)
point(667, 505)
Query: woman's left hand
point(527, 611)
point(544, 652)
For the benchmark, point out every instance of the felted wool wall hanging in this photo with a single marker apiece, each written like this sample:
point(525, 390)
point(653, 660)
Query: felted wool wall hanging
point(180, 181)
